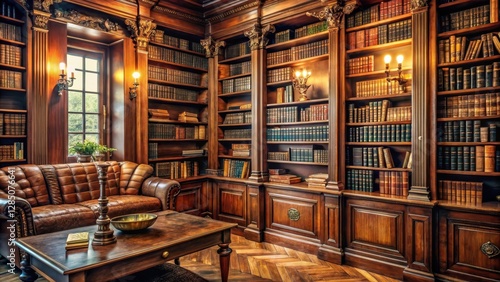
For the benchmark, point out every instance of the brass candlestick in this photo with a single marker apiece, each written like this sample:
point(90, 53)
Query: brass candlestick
point(104, 235)
point(300, 83)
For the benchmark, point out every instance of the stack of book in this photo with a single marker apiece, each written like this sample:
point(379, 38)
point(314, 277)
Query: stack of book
point(317, 180)
point(282, 176)
point(158, 114)
point(240, 150)
point(77, 240)
point(188, 117)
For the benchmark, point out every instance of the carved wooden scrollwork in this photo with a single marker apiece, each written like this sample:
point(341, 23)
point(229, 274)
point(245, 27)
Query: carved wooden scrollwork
point(141, 31)
point(93, 22)
point(212, 47)
point(258, 36)
point(334, 13)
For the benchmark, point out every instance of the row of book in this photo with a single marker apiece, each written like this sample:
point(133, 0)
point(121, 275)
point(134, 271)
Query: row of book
point(161, 37)
point(382, 11)
point(459, 48)
point(469, 158)
point(235, 168)
point(152, 150)
point(237, 50)
point(360, 64)
point(177, 57)
point(11, 79)
point(466, 131)
point(237, 133)
point(317, 180)
point(12, 152)
point(10, 55)
point(300, 155)
point(378, 87)
point(237, 118)
point(171, 131)
point(460, 192)
point(8, 10)
point(236, 84)
point(284, 94)
point(360, 180)
point(381, 34)
point(304, 51)
point(465, 18)
point(314, 113)
point(480, 76)
point(174, 75)
point(380, 133)
point(306, 133)
point(177, 169)
point(234, 69)
point(376, 157)
point(378, 111)
point(292, 114)
point(174, 93)
point(395, 183)
point(12, 124)
point(474, 105)
point(10, 32)
point(310, 29)
point(281, 74)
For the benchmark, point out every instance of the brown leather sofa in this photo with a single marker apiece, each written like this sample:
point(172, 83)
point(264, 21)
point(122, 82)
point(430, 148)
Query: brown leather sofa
point(49, 198)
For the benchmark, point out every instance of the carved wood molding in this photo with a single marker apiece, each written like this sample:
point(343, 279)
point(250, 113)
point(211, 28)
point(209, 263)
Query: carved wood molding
point(212, 47)
point(40, 19)
point(258, 36)
point(231, 12)
point(334, 13)
point(81, 19)
point(417, 4)
point(44, 5)
point(179, 14)
point(141, 31)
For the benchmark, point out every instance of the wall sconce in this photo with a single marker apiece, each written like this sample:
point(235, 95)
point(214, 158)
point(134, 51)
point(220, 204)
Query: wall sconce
point(133, 90)
point(400, 79)
point(63, 84)
point(300, 83)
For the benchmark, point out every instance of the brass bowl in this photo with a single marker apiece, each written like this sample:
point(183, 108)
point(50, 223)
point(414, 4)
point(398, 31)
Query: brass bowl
point(133, 222)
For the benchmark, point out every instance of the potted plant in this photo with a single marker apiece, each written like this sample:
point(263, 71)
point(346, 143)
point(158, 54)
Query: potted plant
point(101, 152)
point(83, 150)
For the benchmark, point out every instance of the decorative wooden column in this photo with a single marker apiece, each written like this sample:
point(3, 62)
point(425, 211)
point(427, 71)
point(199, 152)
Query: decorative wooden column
point(141, 29)
point(258, 42)
point(104, 234)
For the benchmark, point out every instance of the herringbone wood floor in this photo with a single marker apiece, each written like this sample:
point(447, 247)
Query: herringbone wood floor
point(256, 262)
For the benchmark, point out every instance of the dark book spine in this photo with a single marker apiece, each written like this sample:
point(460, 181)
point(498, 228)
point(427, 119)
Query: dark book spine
point(472, 150)
point(489, 76)
point(480, 70)
point(473, 77)
point(460, 78)
point(453, 158)
point(496, 74)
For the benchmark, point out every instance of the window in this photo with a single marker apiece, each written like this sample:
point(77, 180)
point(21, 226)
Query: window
point(84, 97)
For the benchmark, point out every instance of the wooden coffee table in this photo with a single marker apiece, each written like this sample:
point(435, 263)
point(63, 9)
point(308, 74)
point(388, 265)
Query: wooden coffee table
point(173, 235)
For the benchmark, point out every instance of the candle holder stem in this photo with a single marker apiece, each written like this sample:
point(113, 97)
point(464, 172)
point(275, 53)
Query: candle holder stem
point(104, 234)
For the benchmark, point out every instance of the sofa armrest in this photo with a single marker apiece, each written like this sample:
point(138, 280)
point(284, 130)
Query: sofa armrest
point(19, 210)
point(164, 189)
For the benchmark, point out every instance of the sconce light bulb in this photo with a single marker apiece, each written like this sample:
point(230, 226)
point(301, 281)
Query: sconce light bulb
point(399, 59)
point(136, 75)
point(304, 73)
point(297, 74)
point(387, 59)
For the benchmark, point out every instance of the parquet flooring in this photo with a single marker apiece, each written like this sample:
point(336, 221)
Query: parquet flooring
point(258, 262)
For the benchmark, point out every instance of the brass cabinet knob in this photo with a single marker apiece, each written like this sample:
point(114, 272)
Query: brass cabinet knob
point(165, 254)
point(490, 250)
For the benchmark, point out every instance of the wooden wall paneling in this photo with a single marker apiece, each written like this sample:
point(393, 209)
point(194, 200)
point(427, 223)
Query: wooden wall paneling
point(332, 229)
point(255, 212)
point(122, 9)
point(191, 198)
point(231, 204)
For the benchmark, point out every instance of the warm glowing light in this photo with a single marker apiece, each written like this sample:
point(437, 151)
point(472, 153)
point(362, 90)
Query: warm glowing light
point(297, 74)
point(387, 59)
point(136, 75)
point(62, 67)
point(399, 59)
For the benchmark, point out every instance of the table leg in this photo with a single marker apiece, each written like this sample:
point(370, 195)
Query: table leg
point(28, 274)
point(224, 255)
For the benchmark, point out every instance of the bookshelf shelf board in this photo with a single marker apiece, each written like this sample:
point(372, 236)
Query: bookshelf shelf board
point(299, 62)
point(177, 48)
point(234, 111)
point(475, 30)
point(472, 62)
point(469, 91)
point(380, 47)
point(12, 42)
point(469, 118)
point(176, 65)
point(379, 123)
point(467, 143)
point(382, 22)
point(235, 139)
point(243, 58)
point(11, 20)
point(298, 123)
point(299, 103)
point(378, 97)
point(13, 161)
point(176, 122)
point(180, 102)
point(234, 157)
point(235, 76)
point(176, 140)
point(371, 73)
point(13, 111)
point(12, 89)
point(378, 168)
point(165, 82)
point(460, 4)
point(298, 142)
point(280, 83)
point(298, 41)
point(491, 206)
point(12, 136)
point(12, 67)
point(378, 143)
point(235, 94)
point(175, 158)
point(235, 125)
point(375, 195)
point(471, 173)
point(192, 178)
point(297, 163)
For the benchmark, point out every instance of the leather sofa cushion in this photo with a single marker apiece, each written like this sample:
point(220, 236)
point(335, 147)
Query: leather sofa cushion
point(29, 184)
point(132, 176)
point(125, 204)
point(52, 218)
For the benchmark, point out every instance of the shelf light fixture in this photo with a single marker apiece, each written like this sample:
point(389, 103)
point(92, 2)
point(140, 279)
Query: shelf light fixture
point(400, 79)
point(62, 83)
point(300, 83)
point(133, 90)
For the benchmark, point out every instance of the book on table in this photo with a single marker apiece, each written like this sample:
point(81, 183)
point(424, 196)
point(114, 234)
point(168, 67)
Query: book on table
point(77, 240)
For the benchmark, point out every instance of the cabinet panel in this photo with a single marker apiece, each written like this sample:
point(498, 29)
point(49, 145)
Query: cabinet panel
point(231, 203)
point(190, 198)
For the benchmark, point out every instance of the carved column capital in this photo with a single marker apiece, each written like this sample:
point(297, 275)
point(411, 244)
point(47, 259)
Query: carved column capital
point(40, 19)
point(44, 5)
point(258, 36)
point(334, 13)
point(212, 47)
point(418, 4)
point(141, 30)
